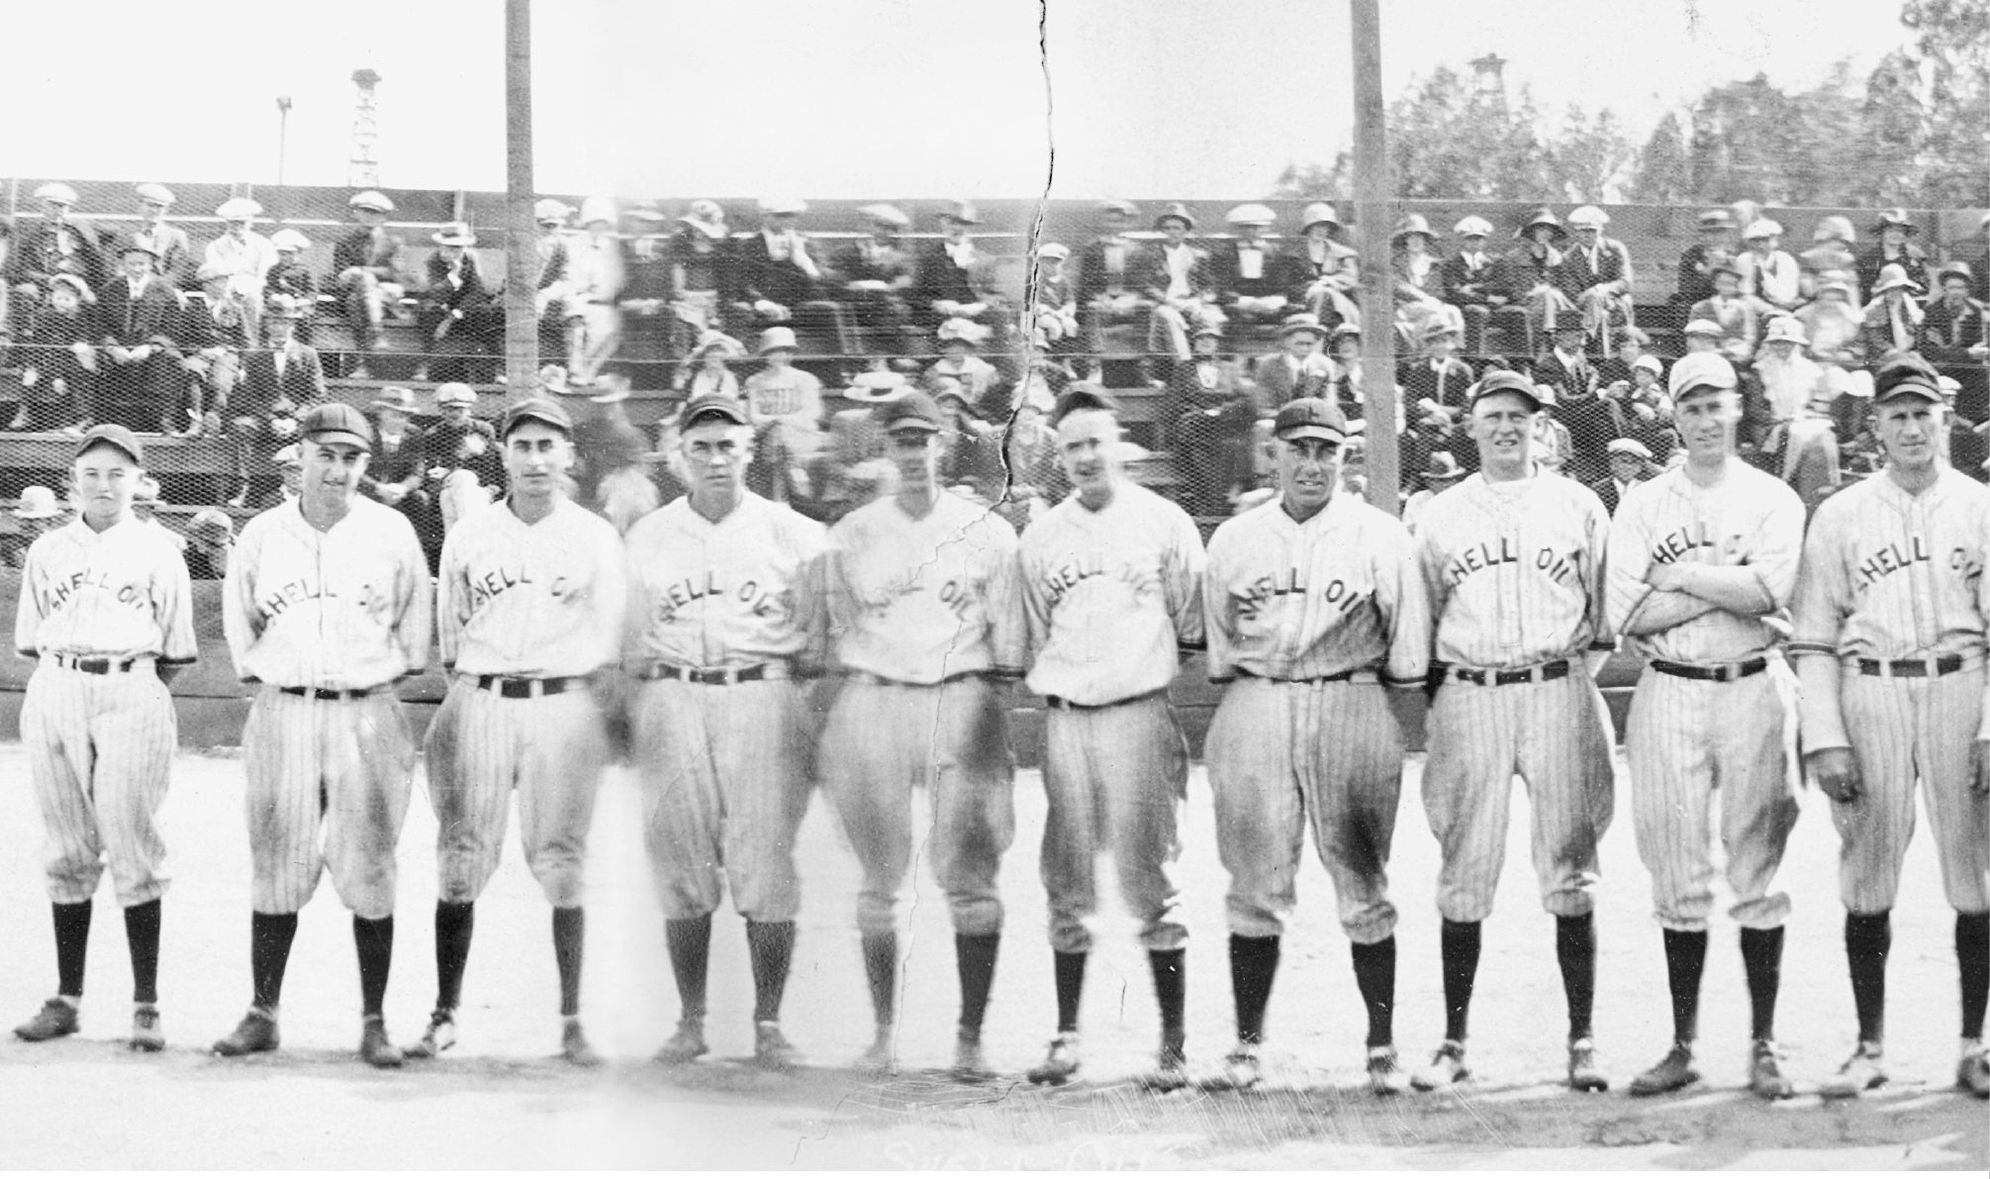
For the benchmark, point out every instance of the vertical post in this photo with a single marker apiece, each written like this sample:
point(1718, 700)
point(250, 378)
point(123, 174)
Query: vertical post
point(1373, 188)
point(521, 256)
point(282, 149)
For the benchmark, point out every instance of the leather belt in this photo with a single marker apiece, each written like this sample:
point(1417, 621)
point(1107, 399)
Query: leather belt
point(525, 689)
point(328, 693)
point(1339, 677)
point(1494, 677)
point(1063, 705)
point(1719, 673)
point(865, 677)
point(714, 676)
point(1911, 668)
point(101, 665)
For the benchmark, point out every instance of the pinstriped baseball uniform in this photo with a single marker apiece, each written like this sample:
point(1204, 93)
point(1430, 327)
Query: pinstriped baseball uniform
point(1109, 597)
point(723, 764)
point(1285, 603)
point(1695, 743)
point(347, 609)
point(1514, 575)
point(100, 747)
point(924, 612)
point(1891, 576)
point(520, 601)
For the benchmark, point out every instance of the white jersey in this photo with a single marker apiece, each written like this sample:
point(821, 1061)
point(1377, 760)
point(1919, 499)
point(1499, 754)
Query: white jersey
point(1340, 592)
point(1750, 518)
point(532, 601)
point(921, 600)
point(743, 591)
point(1514, 571)
point(346, 608)
point(120, 593)
point(1110, 596)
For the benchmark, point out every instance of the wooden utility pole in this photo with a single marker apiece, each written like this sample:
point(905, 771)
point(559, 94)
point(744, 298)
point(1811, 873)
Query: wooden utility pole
point(1373, 189)
point(521, 255)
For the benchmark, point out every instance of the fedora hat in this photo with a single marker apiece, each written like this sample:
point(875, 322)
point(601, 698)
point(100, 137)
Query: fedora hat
point(1835, 228)
point(962, 211)
point(1175, 212)
point(1305, 321)
point(395, 397)
point(877, 386)
point(1541, 217)
point(965, 330)
point(456, 233)
point(37, 503)
point(1895, 216)
point(289, 239)
point(714, 340)
point(1762, 227)
point(1786, 329)
point(1717, 219)
point(884, 214)
point(1893, 275)
point(550, 211)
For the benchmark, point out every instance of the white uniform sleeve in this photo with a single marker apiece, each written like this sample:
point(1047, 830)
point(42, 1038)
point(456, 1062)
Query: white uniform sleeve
point(1008, 634)
point(611, 594)
point(27, 611)
point(1216, 606)
point(1779, 548)
point(1625, 589)
point(174, 595)
point(1595, 566)
point(1399, 594)
point(1184, 574)
point(240, 623)
point(415, 624)
point(1823, 598)
point(1036, 607)
point(451, 595)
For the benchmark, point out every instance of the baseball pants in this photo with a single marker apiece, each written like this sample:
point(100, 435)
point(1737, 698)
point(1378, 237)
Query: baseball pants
point(328, 784)
point(724, 792)
point(481, 746)
point(885, 740)
point(1281, 754)
point(1115, 776)
point(1555, 735)
point(100, 751)
point(1903, 730)
point(1695, 744)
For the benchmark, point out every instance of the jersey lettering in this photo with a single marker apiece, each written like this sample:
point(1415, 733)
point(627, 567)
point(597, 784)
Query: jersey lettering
point(1890, 559)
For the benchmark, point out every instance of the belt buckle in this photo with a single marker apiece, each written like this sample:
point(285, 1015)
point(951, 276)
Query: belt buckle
point(1726, 672)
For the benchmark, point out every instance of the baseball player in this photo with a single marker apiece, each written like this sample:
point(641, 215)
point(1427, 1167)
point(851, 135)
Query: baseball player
point(724, 621)
point(529, 608)
point(1111, 584)
point(107, 608)
point(326, 605)
point(1889, 625)
point(1702, 563)
point(925, 622)
point(1313, 604)
point(1513, 566)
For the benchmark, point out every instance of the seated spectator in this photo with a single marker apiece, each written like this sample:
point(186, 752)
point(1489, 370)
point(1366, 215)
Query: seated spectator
point(1953, 337)
point(168, 241)
point(1645, 408)
point(142, 384)
point(1596, 276)
point(1533, 274)
point(1437, 378)
point(594, 282)
point(291, 280)
point(1592, 420)
point(1830, 256)
point(289, 464)
point(777, 273)
point(1345, 344)
point(1554, 449)
point(703, 273)
point(1730, 312)
point(1892, 321)
point(215, 338)
point(1471, 282)
point(1716, 247)
point(1630, 345)
point(1327, 274)
point(59, 364)
point(1254, 279)
point(1053, 310)
point(458, 315)
point(1565, 366)
point(610, 474)
point(285, 376)
point(1112, 279)
point(36, 512)
point(877, 271)
point(705, 369)
point(1790, 380)
point(853, 466)
point(210, 542)
point(784, 403)
point(1182, 285)
point(982, 381)
point(1419, 272)
point(1298, 369)
point(1807, 451)
point(394, 474)
point(946, 276)
point(369, 271)
point(971, 449)
point(61, 243)
point(244, 257)
point(460, 442)
point(1894, 248)
point(1630, 464)
point(1769, 275)
point(550, 289)
point(647, 322)
point(1213, 407)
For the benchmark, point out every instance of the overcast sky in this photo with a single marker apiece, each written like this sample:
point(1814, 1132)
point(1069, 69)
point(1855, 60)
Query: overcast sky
point(829, 98)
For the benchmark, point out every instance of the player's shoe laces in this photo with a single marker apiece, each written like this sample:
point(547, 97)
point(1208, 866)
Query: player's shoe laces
point(374, 1046)
point(970, 1062)
point(439, 1038)
point(1386, 1075)
point(574, 1048)
point(1447, 1067)
point(771, 1049)
point(146, 1034)
point(1865, 1070)
point(56, 1018)
point(256, 1033)
point(1243, 1070)
point(1765, 1072)
point(1060, 1064)
point(1170, 1071)
point(1672, 1073)
point(1972, 1072)
point(686, 1044)
point(880, 1059)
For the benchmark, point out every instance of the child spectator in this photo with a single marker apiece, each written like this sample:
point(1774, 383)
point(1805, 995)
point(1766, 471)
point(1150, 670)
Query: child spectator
point(292, 280)
point(706, 369)
point(959, 338)
point(785, 406)
point(1053, 305)
point(59, 373)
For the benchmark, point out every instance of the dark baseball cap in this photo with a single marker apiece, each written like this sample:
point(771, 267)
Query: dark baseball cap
point(1907, 375)
point(336, 422)
point(536, 409)
point(112, 434)
point(1505, 382)
point(1309, 417)
point(1080, 395)
point(913, 411)
point(706, 405)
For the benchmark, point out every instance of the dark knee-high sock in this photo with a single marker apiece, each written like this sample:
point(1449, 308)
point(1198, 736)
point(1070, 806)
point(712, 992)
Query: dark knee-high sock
point(881, 969)
point(1253, 967)
point(1685, 963)
point(141, 934)
point(270, 935)
point(455, 922)
point(1170, 969)
point(1070, 969)
point(689, 940)
point(771, 947)
point(72, 946)
point(1762, 959)
point(1575, 949)
point(1458, 944)
point(1375, 975)
point(974, 959)
point(569, 935)
point(1868, 937)
point(374, 940)
point(1972, 959)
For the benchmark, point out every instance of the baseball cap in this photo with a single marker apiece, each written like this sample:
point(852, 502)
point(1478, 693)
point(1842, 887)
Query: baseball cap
point(1309, 417)
point(336, 422)
point(1906, 376)
point(114, 435)
point(1700, 370)
point(1080, 395)
point(706, 405)
point(914, 411)
point(536, 409)
point(1504, 382)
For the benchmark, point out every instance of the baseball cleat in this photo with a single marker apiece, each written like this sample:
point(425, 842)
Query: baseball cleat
point(574, 1048)
point(1170, 1071)
point(879, 1059)
point(970, 1063)
point(686, 1044)
point(146, 1034)
point(56, 1018)
point(1447, 1067)
point(374, 1046)
point(1060, 1064)
point(1672, 1073)
point(1386, 1076)
point(771, 1049)
point(439, 1038)
point(1765, 1072)
point(1865, 1070)
point(1585, 1076)
point(256, 1033)
point(1972, 1072)
point(1242, 1070)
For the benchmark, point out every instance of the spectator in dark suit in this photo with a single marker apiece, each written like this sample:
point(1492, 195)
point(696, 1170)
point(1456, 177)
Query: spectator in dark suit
point(1716, 247)
point(59, 368)
point(394, 474)
point(777, 272)
point(1438, 376)
point(944, 278)
point(1181, 285)
point(1254, 279)
point(1895, 247)
point(369, 271)
point(61, 243)
point(1829, 257)
point(877, 272)
point(291, 280)
point(1299, 370)
point(1469, 280)
point(459, 442)
point(1596, 276)
point(1112, 279)
point(1630, 464)
point(1592, 420)
point(141, 315)
point(1214, 407)
point(457, 315)
point(1953, 338)
point(1532, 272)
point(647, 322)
point(703, 271)
point(167, 240)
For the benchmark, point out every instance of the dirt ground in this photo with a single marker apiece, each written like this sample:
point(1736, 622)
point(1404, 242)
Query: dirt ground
point(500, 1099)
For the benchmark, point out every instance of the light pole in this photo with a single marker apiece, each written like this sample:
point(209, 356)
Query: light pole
point(282, 135)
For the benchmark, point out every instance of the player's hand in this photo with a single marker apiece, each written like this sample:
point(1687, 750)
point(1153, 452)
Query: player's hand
point(1979, 766)
point(1837, 771)
point(1666, 576)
